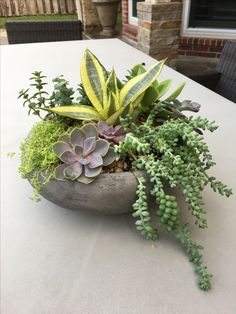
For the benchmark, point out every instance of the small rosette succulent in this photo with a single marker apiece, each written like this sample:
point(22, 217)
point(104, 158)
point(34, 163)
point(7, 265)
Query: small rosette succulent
point(83, 154)
point(112, 134)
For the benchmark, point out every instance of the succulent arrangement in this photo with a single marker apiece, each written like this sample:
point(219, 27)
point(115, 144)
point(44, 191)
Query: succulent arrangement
point(118, 126)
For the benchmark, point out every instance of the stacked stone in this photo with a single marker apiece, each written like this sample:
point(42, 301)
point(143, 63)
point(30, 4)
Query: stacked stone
point(159, 27)
point(88, 14)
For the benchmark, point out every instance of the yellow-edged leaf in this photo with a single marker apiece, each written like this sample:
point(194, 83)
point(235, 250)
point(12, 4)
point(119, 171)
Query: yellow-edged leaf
point(93, 79)
point(114, 104)
point(80, 112)
point(111, 83)
point(110, 95)
point(106, 104)
point(131, 109)
point(138, 100)
point(113, 118)
point(105, 98)
point(139, 84)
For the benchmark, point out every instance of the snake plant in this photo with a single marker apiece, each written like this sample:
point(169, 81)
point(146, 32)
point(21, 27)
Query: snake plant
point(109, 100)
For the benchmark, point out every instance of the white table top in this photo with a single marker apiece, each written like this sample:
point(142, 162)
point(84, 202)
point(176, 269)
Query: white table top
point(56, 261)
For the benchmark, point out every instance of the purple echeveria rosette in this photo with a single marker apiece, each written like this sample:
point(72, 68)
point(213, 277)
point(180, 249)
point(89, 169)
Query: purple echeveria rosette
point(83, 154)
point(113, 134)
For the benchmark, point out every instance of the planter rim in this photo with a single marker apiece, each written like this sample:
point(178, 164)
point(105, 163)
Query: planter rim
point(110, 193)
point(101, 175)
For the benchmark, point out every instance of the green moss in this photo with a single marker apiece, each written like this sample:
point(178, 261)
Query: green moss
point(37, 155)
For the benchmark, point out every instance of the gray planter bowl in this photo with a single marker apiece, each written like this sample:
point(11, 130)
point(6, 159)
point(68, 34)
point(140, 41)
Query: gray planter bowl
point(112, 193)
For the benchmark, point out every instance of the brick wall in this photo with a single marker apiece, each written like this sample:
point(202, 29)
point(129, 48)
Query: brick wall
point(189, 46)
point(129, 31)
point(204, 47)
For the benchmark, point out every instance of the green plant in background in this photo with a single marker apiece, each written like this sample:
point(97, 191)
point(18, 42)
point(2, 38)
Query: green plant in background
point(143, 126)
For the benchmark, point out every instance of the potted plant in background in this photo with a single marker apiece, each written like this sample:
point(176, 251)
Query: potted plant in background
point(117, 146)
point(107, 12)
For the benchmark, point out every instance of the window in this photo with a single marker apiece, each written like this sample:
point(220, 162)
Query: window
point(213, 14)
point(133, 11)
point(209, 18)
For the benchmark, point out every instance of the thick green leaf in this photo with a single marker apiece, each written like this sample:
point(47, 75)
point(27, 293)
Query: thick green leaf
point(155, 84)
point(149, 98)
point(176, 93)
point(138, 69)
point(163, 87)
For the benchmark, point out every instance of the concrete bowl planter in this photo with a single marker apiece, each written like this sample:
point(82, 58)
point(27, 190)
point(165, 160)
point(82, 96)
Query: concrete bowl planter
point(110, 193)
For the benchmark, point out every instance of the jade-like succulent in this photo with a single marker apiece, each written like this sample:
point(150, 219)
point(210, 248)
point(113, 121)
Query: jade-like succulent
point(83, 154)
point(112, 134)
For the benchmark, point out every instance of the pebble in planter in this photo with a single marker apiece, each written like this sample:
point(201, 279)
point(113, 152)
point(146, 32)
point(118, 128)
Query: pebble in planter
point(118, 146)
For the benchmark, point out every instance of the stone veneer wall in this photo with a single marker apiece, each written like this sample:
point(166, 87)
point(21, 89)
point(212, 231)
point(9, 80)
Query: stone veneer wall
point(159, 28)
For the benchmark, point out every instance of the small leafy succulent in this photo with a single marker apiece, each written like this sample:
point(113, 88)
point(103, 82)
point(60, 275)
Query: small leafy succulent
point(83, 154)
point(112, 134)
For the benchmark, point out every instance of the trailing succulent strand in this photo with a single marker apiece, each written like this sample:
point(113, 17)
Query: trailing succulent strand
point(173, 151)
point(169, 214)
point(193, 250)
point(141, 212)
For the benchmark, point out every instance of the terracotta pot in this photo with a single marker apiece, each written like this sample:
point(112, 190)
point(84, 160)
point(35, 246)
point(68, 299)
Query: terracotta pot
point(111, 193)
point(107, 12)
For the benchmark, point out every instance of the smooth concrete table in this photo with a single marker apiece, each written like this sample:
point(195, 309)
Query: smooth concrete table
point(56, 261)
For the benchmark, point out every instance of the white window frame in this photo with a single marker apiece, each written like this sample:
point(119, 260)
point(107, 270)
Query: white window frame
point(132, 19)
point(187, 31)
